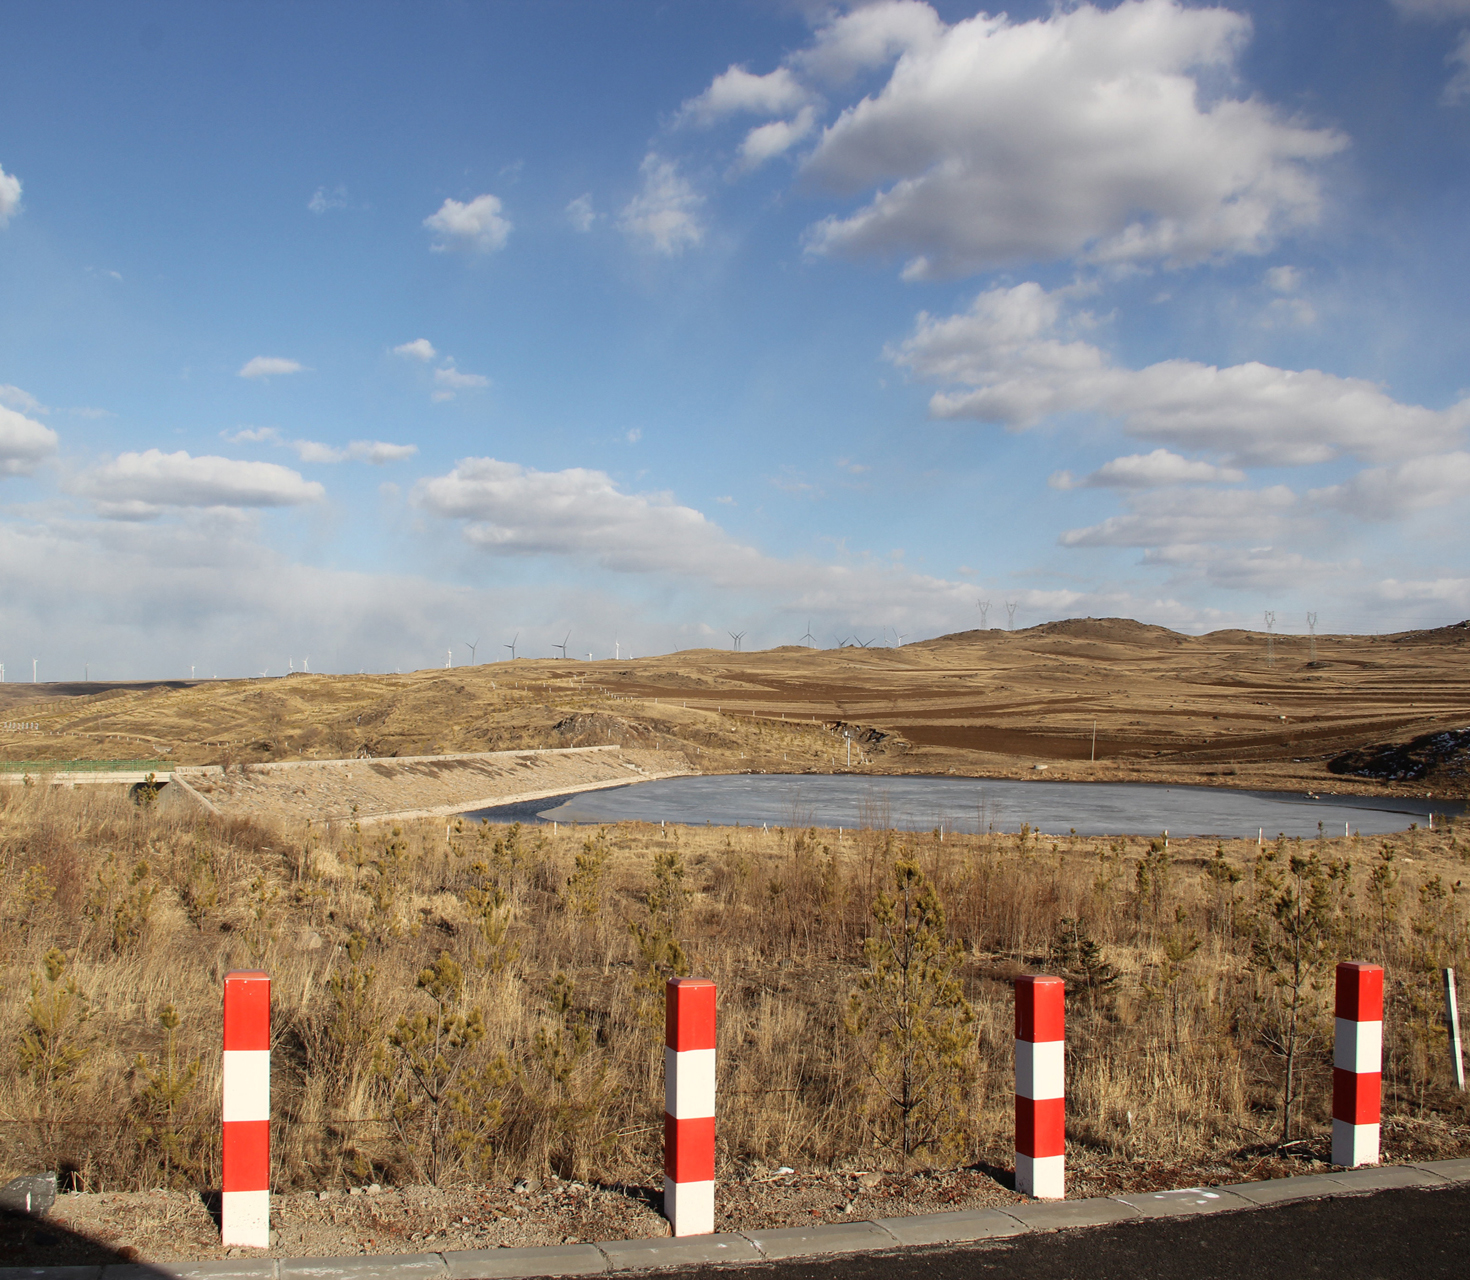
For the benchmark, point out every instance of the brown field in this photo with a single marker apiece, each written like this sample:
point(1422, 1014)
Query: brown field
point(1163, 707)
point(1177, 955)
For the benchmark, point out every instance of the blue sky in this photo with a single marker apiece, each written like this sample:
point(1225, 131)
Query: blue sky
point(353, 333)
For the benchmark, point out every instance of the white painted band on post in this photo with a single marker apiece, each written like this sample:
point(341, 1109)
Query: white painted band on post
point(1041, 1069)
point(689, 1083)
point(1041, 1176)
point(247, 1084)
point(1358, 1046)
point(691, 1205)
point(248, 1218)
point(1354, 1144)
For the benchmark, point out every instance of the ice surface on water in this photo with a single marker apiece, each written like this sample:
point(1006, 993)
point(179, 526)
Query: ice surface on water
point(980, 804)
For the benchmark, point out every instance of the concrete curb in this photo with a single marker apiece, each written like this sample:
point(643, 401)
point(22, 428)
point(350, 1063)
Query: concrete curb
point(964, 1226)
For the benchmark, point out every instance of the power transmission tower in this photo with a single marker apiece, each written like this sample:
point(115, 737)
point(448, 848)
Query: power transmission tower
point(1270, 639)
point(1011, 607)
point(984, 606)
point(1312, 631)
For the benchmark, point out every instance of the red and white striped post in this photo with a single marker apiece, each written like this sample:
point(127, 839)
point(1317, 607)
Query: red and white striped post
point(1357, 1064)
point(245, 1202)
point(1040, 1090)
point(689, 1106)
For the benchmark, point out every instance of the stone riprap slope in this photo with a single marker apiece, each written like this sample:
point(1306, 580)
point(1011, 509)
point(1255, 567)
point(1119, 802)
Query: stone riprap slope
point(415, 786)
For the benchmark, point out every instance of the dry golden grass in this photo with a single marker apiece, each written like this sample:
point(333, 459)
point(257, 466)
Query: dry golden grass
point(1171, 1063)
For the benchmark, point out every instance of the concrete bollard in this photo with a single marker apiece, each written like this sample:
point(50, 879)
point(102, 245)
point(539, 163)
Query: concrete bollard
point(689, 1106)
point(1357, 1064)
point(245, 1202)
point(1040, 1090)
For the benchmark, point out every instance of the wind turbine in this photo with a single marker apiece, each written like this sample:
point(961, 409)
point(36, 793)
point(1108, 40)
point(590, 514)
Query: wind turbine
point(472, 645)
point(617, 650)
point(737, 637)
point(512, 646)
point(809, 640)
point(563, 646)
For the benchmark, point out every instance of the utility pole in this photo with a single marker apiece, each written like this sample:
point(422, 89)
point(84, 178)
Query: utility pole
point(1312, 631)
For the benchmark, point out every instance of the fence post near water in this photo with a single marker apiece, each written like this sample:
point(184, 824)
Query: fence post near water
point(245, 1199)
point(1040, 1087)
point(1357, 1064)
point(689, 1106)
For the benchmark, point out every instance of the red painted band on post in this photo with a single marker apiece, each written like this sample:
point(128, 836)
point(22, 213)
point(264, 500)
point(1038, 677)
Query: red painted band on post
point(1040, 1009)
point(689, 1149)
point(689, 1014)
point(1041, 1127)
point(247, 1010)
point(247, 1155)
point(1360, 992)
point(1357, 1096)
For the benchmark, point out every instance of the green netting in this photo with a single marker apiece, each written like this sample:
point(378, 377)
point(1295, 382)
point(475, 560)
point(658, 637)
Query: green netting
point(85, 766)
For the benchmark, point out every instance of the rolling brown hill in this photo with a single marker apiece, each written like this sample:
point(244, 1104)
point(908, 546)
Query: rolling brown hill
point(1157, 704)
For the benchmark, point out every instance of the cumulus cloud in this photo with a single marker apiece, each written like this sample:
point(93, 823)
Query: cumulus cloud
point(477, 226)
point(377, 452)
point(1087, 132)
point(1147, 471)
point(1192, 517)
point(1385, 493)
point(24, 443)
point(448, 381)
point(1013, 359)
point(869, 36)
point(269, 366)
point(664, 213)
point(767, 141)
point(580, 213)
point(512, 510)
point(737, 91)
point(140, 486)
point(13, 397)
point(9, 195)
point(418, 349)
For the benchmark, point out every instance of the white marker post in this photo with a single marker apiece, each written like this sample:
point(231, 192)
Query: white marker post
point(689, 1106)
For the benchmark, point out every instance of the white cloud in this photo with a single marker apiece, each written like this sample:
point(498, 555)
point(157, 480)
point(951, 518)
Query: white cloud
point(24, 443)
point(1147, 471)
point(1193, 517)
point(767, 141)
point(1088, 132)
point(1011, 359)
point(450, 377)
point(20, 400)
point(664, 212)
point(869, 36)
point(580, 213)
point(418, 349)
point(737, 91)
point(376, 452)
point(477, 226)
point(253, 435)
point(1385, 493)
point(1457, 87)
point(139, 486)
point(509, 509)
point(269, 366)
point(323, 200)
point(9, 195)
point(1283, 279)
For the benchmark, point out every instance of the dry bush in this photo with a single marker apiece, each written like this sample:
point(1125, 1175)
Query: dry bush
point(457, 1001)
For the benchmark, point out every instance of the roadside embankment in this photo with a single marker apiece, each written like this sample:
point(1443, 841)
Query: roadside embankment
point(416, 786)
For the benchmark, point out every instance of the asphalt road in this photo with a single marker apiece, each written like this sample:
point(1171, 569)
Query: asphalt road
point(1390, 1235)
